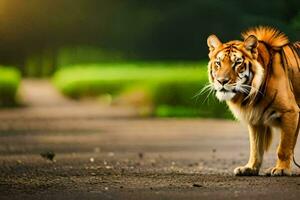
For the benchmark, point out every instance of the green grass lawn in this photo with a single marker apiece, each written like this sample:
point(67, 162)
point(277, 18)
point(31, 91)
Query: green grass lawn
point(9, 84)
point(169, 89)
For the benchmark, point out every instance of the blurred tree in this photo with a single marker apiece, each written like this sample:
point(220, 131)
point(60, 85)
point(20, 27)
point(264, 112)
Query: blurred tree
point(32, 31)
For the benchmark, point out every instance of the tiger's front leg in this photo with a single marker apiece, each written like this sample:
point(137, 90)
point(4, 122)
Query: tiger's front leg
point(258, 136)
point(289, 132)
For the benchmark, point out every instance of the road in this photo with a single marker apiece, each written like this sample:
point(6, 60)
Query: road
point(103, 152)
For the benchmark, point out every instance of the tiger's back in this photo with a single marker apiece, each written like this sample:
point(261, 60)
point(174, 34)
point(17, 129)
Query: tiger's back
point(275, 40)
point(291, 59)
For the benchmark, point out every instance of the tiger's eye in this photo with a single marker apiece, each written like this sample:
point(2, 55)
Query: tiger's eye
point(218, 63)
point(238, 61)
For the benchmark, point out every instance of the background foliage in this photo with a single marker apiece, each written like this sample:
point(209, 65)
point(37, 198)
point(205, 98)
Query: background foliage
point(34, 32)
point(160, 89)
point(143, 53)
point(9, 83)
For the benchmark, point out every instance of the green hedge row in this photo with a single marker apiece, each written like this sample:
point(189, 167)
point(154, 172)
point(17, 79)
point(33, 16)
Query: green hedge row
point(9, 83)
point(170, 89)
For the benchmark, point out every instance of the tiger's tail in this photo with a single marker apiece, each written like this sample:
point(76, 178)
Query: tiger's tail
point(296, 135)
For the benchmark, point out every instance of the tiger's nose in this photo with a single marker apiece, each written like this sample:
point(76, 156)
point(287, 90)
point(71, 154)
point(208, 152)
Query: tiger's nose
point(223, 81)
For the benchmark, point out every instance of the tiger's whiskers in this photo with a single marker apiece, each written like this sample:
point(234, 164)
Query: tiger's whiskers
point(207, 88)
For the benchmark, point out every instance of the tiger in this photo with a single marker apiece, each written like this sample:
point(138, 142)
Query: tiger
point(259, 79)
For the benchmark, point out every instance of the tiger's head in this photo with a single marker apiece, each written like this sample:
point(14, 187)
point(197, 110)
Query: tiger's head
point(233, 67)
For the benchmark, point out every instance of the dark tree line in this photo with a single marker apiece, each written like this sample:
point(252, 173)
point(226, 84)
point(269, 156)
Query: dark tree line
point(140, 29)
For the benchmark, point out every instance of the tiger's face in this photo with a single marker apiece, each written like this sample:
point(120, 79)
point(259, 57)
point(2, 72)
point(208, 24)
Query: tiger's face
point(231, 67)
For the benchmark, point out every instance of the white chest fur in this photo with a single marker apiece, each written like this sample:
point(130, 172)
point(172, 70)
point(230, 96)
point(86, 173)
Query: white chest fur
point(254, 115)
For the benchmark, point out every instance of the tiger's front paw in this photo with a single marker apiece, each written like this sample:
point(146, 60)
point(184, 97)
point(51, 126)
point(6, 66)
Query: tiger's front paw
point(246, 171)
point(276, 171)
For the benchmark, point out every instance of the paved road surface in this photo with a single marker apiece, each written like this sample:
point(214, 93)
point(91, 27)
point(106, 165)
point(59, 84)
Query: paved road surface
point(108, 153)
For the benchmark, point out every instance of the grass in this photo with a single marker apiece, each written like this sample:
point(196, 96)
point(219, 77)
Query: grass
point(168, 88)
point(9, 84)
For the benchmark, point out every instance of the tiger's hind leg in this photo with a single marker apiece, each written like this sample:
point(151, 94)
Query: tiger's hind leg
point(289, 126)
point(260, 138)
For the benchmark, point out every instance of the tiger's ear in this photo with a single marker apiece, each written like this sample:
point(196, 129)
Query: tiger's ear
point(251, 43)
point(213, 42)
